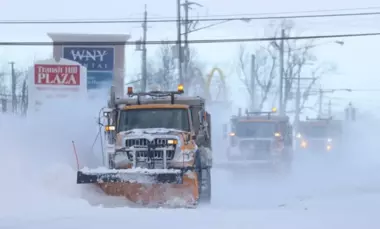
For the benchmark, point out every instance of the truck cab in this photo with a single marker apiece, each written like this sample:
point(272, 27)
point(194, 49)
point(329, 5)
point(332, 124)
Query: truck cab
point(160, 138)
point(260, 137)
point(319, 135)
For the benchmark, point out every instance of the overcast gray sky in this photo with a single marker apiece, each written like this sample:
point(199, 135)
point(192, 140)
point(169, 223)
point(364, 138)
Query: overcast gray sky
point(357, 60)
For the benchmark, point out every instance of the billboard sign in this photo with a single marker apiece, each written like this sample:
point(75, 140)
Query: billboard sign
point(93, 58)
point(50, 80)
point(68, 75)
point(99, 80)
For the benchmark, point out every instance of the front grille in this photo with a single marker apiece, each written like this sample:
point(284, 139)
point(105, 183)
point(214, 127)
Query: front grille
point(260, 145)
point(143, 142)
point(261, 149)
point(317, 144)
point(154, 154)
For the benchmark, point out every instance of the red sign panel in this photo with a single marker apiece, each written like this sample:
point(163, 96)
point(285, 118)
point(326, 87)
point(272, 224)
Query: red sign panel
point(46, 74)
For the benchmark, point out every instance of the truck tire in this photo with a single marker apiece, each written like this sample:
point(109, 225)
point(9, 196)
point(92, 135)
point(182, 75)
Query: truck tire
point(206, 193)
point(198, 169)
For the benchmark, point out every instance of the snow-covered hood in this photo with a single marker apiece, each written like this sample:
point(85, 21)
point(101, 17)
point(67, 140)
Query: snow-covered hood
point(151, 133)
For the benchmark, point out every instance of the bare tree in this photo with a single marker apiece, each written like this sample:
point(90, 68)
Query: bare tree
point(298, 58)
point(165, 73)
point(263, 75)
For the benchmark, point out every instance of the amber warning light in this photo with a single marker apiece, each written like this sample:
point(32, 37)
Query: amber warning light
point(130, 90)
point(180, 88)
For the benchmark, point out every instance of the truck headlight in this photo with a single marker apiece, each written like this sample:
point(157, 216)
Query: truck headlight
point(329, 140)
point(172, 141)
point(303, 144)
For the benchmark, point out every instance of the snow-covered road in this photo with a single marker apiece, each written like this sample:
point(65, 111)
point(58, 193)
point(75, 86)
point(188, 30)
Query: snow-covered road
point(38, 189)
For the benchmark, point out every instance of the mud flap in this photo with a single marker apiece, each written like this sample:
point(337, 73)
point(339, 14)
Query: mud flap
point(158, 176)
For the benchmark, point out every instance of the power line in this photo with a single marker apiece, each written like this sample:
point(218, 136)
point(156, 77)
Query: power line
point(247, 19)
point(203, 41)
point(257, 14)
point(291, 12)
point(205, 17)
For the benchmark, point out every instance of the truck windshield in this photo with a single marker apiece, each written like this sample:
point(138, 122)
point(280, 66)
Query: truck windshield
point(154, 118)
point(255, 129)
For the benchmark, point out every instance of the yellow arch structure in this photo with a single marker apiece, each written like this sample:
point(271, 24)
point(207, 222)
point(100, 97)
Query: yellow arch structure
point(222, 78)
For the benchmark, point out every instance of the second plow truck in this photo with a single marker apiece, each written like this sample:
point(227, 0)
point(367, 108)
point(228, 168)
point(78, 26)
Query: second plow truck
point(158, 150)
point(319, 135)
point(259, 138)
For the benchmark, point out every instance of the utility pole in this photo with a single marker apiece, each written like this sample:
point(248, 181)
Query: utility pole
point(253, 83)
point(186, 50)
point(144, 51)
point(281, 102)
point(14, 98)
point(320, 111)
point(330, 109)
point(298, 100)
point(187, 24)
point(179, 45)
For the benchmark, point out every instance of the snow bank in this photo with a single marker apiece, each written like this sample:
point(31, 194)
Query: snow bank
point(37, 160)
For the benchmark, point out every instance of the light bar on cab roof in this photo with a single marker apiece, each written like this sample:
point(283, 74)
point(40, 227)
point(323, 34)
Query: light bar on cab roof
point(130, 90)
point(180, 88)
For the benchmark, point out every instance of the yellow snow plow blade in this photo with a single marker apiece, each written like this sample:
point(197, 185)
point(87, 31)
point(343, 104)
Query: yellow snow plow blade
point(154, 187)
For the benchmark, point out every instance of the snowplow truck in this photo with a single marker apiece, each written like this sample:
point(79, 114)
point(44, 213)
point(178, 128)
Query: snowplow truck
point(259, 138)
point(158, 149)
point(320, 135)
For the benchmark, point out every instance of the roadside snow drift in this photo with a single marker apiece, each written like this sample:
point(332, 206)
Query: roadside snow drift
point(38, 188)
point(37, 159)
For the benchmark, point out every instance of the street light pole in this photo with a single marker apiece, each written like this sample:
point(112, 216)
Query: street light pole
point(320, 103)
point(298, 99)
point(281, 102)
point(14, 98)
point(253, 83)
point(179, 45)
point(144, 53)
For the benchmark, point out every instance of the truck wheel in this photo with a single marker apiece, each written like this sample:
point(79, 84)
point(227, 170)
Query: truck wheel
point(206, 186)
point(198, 169)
